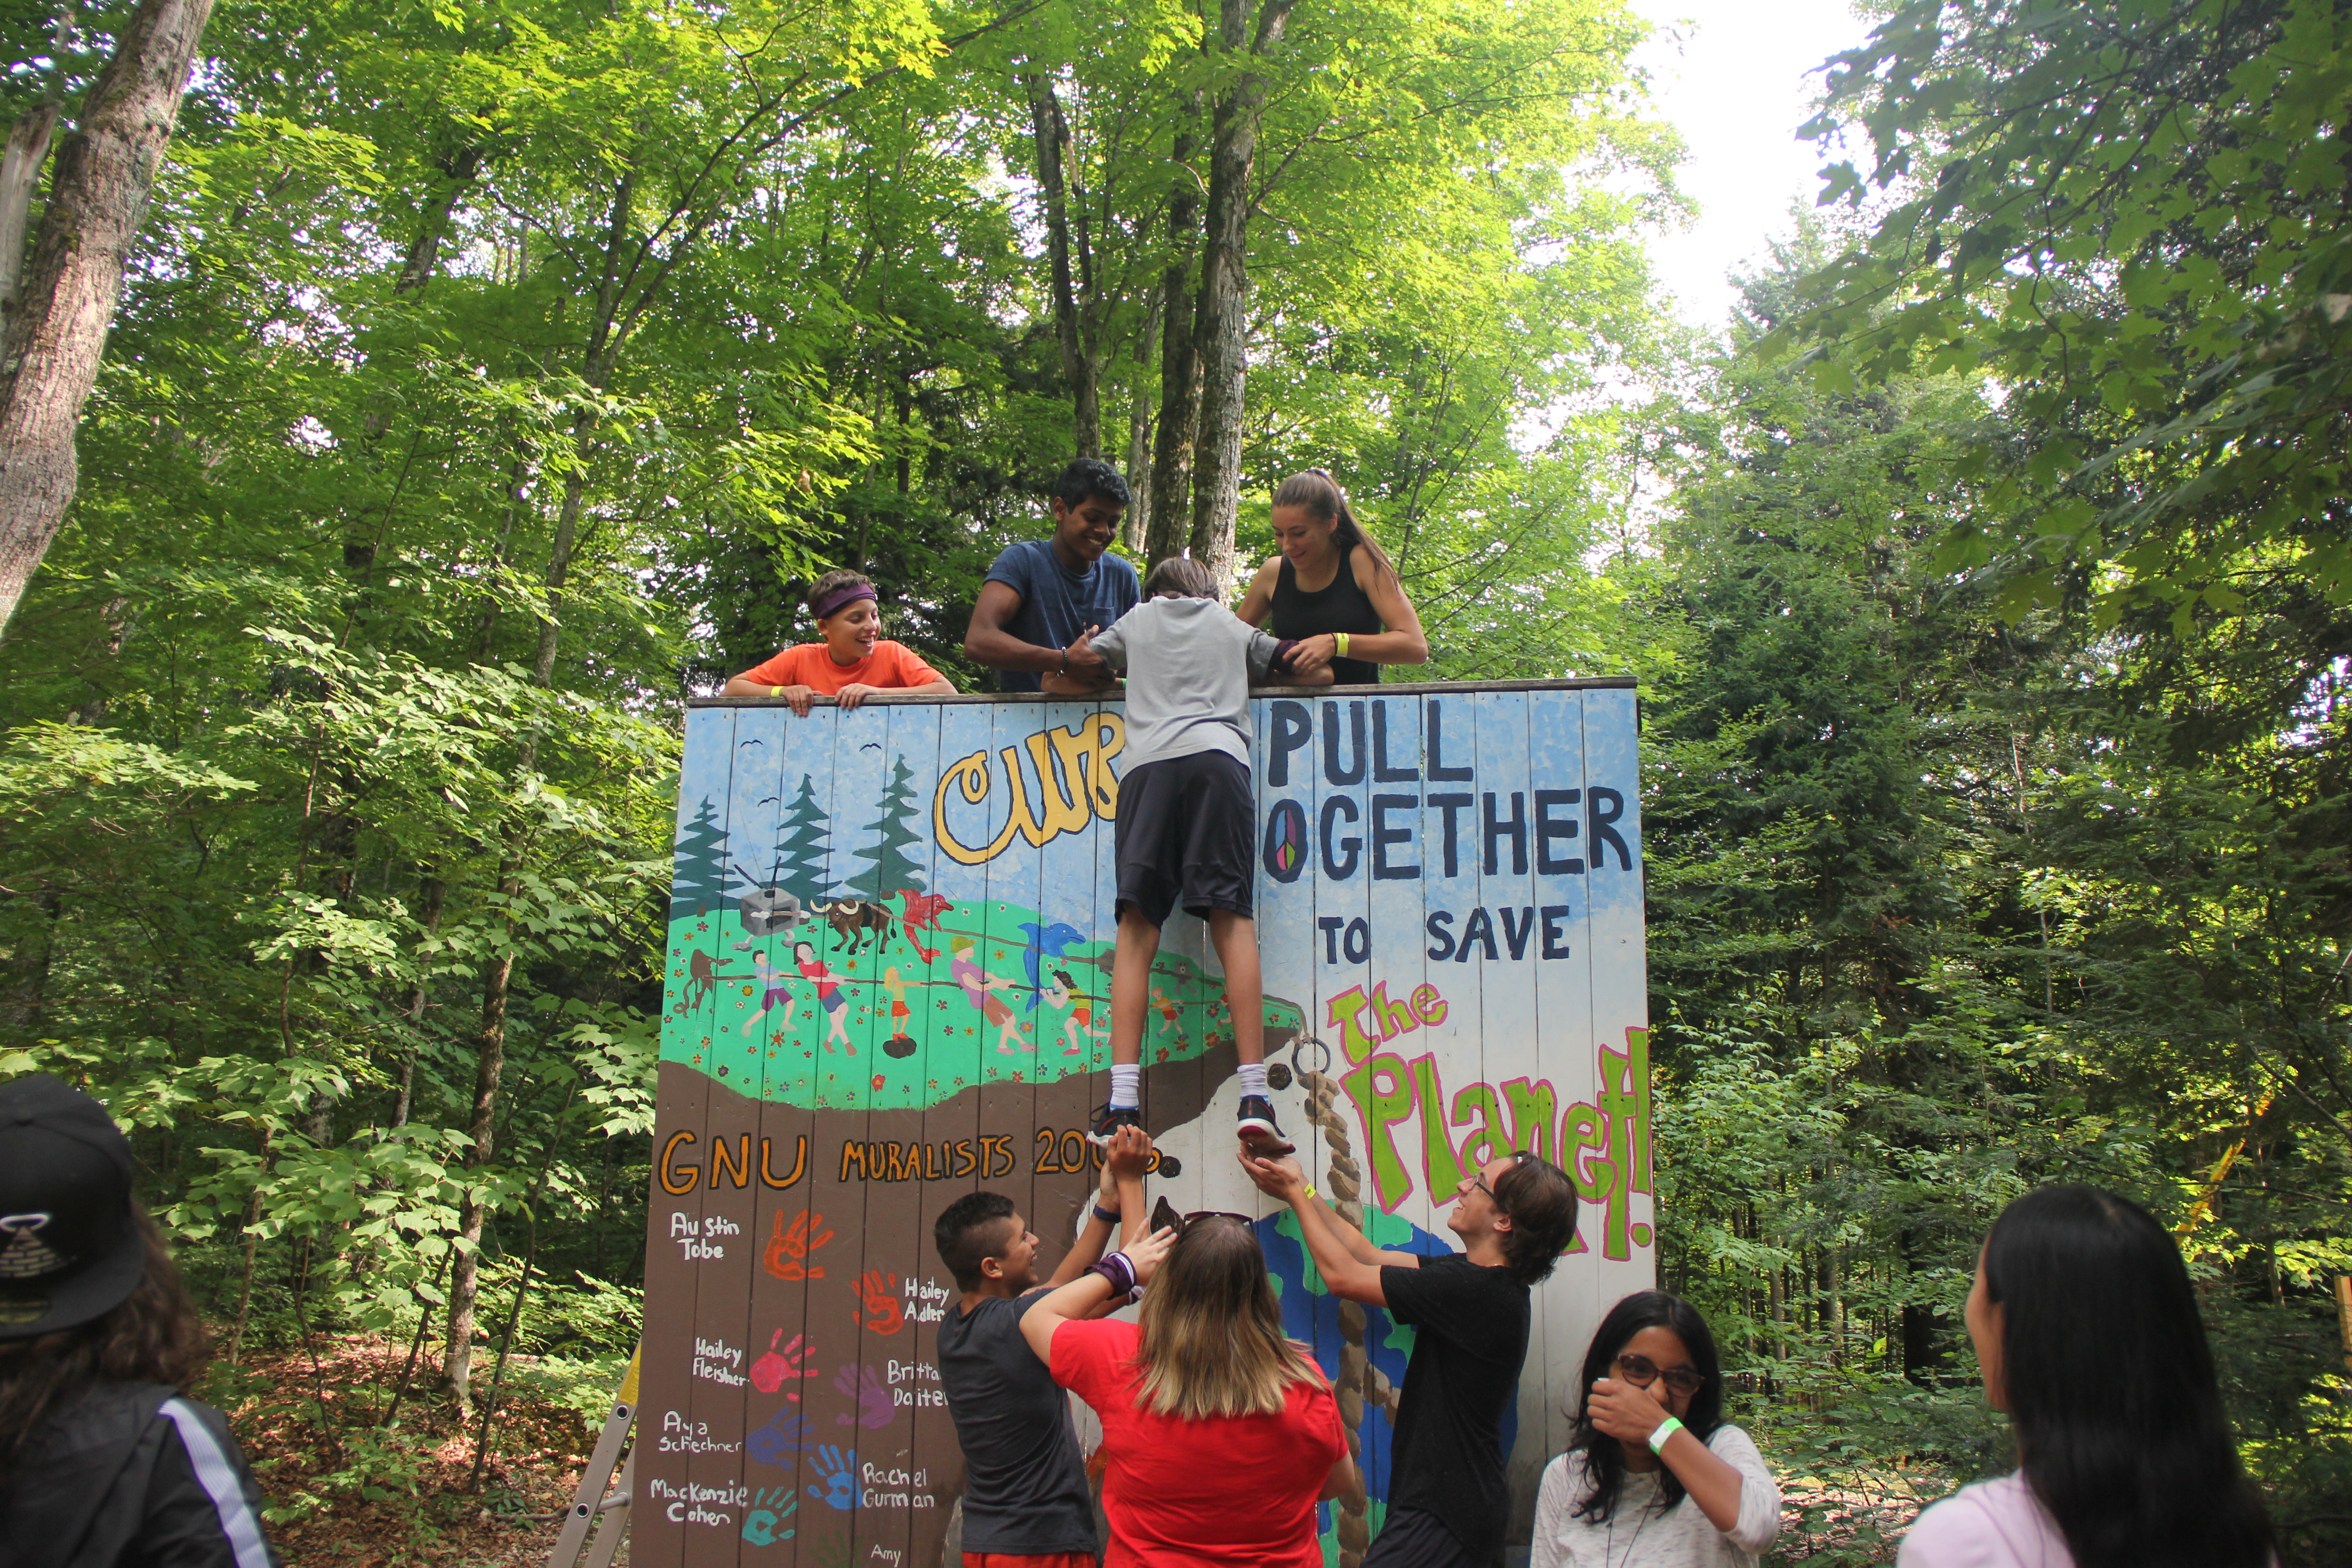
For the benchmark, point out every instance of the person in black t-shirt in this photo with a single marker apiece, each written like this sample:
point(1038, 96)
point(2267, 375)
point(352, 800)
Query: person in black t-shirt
point(1448, 1503)
point(1025, 1493)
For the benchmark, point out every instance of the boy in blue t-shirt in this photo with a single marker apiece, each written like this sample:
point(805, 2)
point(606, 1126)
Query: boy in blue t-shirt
point(1044, 595)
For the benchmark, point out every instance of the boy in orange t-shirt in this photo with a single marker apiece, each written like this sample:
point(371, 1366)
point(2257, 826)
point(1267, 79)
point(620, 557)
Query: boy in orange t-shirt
point(852, 662)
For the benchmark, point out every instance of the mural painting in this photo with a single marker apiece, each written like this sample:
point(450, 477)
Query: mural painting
point(889, 950)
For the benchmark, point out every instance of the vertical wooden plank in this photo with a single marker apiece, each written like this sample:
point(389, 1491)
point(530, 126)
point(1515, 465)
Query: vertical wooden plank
point(678, 1201)
point(949, 1132)
point(879, 1338)
point(798, 1240)
point(723, 1258)
point(1563, 1003)
point(870, 810)
point(1612, 845)
point(1508, 1049)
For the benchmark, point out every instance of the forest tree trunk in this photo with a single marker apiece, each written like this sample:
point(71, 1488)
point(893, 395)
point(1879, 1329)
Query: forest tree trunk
point(1051, 131)
point(473, 1212)
point(1221, 329)
point(1137, 524)
point(29, 985)
point(424, 257)
point(99, 192)
point(1179, 371)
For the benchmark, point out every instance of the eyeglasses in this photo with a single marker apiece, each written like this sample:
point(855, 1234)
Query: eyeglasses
point(1518, 1157)
point(1165, 1218)
point(1642, 1371)
point(1197, 1216)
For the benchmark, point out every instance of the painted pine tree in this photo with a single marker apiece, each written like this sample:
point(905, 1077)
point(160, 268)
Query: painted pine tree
point(893, 868)
point(802, 857)
point(701, 881)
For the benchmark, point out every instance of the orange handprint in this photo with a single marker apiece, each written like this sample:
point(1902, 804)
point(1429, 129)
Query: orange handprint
point(788, 1250)
point(878, 1302)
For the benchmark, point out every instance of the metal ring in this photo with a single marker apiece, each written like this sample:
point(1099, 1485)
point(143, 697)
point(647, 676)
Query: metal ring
point(1306, 1039)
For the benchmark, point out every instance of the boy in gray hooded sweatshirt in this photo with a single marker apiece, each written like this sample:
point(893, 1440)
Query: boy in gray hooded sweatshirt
point(1187, 823)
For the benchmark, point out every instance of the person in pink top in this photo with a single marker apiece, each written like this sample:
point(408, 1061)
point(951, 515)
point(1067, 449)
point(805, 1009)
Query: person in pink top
point(2087, 1336)
point(1219, 1435)
point(829, 998)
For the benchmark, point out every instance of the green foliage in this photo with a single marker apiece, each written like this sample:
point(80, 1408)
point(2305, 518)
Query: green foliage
point(1946, 904)
point(2134, 214)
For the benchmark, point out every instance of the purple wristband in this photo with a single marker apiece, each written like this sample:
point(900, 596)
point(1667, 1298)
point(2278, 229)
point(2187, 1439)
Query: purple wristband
point(1118, 1271)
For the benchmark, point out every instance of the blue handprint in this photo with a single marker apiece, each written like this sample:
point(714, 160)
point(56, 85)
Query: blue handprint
point(781, 1438)
point(770, 1507)
point(839, 1469)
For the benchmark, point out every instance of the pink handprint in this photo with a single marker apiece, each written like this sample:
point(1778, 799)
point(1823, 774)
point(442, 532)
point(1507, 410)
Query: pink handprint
point(771, 1372)
point(873, 1399)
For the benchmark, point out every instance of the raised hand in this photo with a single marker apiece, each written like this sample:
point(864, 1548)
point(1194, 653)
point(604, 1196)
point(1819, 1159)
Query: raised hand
point(1147, 1254)
point(872, 1395)
point(1625, 1411)
point(1280, 1178)
point(1128, 1156)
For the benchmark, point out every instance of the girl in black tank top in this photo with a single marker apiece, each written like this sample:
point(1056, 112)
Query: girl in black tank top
point(1343, 606)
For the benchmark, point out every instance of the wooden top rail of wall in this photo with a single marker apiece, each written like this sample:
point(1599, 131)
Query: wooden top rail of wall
point(1381, 688)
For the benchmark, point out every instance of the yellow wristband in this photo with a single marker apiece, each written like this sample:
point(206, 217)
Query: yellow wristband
point(1309, 1189)
point(1340, 641)
point(775, 691)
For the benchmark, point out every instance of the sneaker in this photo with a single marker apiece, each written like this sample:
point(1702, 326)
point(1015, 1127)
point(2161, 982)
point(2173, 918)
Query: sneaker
point(1109, 1119)
point(1259, 1134)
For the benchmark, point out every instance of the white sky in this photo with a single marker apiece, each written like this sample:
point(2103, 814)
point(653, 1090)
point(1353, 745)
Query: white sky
point(1735, 83)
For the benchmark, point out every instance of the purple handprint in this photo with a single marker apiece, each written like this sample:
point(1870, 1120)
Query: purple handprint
point(873, 1398)
point(781, 1438)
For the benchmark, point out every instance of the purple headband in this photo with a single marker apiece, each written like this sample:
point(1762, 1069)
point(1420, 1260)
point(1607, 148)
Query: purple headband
point(848, 593)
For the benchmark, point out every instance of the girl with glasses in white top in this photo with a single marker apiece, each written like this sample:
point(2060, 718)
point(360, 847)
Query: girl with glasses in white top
point(1654, 1476)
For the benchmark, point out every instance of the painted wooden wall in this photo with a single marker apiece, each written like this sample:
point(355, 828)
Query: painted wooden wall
point(889, 956)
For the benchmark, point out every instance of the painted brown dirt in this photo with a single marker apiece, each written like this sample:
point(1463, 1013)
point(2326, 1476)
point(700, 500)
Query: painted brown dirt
point(793, 1297)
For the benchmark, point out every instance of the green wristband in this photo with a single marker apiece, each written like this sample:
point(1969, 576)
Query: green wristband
point(1666, 1429)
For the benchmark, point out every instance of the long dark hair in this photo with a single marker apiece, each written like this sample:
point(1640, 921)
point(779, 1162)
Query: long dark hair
point(1541, 1204)
point(2111, 1387)
point(154, 1336)
point(1320, 494)
point(1604, 1456)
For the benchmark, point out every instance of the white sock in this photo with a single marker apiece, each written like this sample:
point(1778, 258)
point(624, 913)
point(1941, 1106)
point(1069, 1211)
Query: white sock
point(1253, 1076)
point(1126, 1087)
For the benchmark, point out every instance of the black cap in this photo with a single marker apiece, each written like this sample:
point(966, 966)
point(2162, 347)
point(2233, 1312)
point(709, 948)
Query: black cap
point(70, 1249)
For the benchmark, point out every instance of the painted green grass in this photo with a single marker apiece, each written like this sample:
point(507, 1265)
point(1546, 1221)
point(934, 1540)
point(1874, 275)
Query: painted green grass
point(945, 1045)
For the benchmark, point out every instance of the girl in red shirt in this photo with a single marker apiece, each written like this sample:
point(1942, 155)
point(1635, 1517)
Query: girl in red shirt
point(1219, 1435)
point(853, 661)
